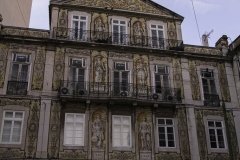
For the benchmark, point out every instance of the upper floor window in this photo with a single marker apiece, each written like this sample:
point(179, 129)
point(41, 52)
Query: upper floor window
point(166, 132)
point(11, 130)
point(79, 27)
point(19, 74)
point(209, 87)
point(162, 82)
point(119, 29)
point(216, 134)
point(121, 78)
point(74, 129)
point(20, 67)
point(121, 131)
point(157, 35)
point(77, 74)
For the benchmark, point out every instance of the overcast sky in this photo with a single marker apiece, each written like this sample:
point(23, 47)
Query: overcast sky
point(220, 15)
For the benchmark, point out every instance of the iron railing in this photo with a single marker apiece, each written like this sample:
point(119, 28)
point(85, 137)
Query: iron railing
point(17, 88)
point(211, 100)
point(116, 38)
point(118, 90)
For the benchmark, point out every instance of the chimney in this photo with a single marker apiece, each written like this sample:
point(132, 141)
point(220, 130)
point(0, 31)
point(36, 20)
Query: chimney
point(205, 40)
point(222, 44)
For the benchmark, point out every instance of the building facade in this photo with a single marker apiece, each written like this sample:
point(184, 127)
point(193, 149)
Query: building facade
point(113, 80)
point(16, 12)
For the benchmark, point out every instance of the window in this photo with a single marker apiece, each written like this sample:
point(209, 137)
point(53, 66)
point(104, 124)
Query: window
point(119, 29)
point(157, 35)
point(121, 78)
point(79, 28)
point(77, 74)
point(19, 75)
point(209, 88)
point(11, 131)
point(74, 128)
point(121, 131)
point(216, 134)
point(166, 133)
point(162, 82)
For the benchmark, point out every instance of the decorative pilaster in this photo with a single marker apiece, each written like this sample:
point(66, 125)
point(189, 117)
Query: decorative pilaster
point(54, 130)
point(3, 63)
point(223, 82)
point(38, 70)
point(58, 70)
point(32, 132)
point(194, 81)
point(177, 75)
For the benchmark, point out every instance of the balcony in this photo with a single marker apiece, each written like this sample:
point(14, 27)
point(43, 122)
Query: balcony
point(116, 39)
point(118, 91)
point(17, 88)
point(211, 100)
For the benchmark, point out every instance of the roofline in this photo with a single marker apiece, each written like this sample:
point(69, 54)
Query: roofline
point(162, 7)
point(178, 16)
point(235, 44)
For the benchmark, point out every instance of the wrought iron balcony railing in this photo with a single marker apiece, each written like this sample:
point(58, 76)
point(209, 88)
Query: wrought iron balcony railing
point(116, 38)
point(119, 90)
point(211, 100)
point(17, 88)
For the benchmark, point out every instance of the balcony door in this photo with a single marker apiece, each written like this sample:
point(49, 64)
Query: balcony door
point(157, 36)
point(79, 28)
point(162, 80)
point(77, 75)
point(119, 29)
point(121, 79)
point(18, 81)
point(209, 87)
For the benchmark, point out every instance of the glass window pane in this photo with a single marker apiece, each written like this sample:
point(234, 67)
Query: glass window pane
point(170, 137)
point(162, 136)
point(171, 144)
point(218, 124)
point(161, 130)
point(9, 114)
point(210, 123)
point(24, 73)
point(162, 143)
point(213, 145)
point(169, 122)
point(18, 115)
point(169, 129)
point(161, 121)
point(14, 75)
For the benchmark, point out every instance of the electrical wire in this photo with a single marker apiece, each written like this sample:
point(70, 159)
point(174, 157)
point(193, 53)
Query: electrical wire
point(195, 15)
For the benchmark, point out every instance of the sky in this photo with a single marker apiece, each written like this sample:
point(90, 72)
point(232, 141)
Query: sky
point(221, 16)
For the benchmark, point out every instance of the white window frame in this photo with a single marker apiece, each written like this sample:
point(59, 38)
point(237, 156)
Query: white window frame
point(209, 85)
point(82, 67)
point(20, 65)
point(79, 21)
point(157, 29)
point(130, 132)
point(13, 120)
point(167, 72)
point(74, 123)
point(165, 127)
point(124, 42)
point(218, 119)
